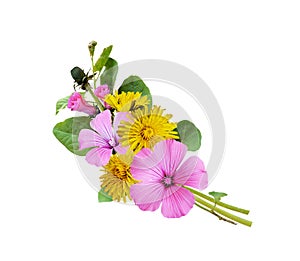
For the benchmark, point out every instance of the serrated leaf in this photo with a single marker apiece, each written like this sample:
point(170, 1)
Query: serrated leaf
point(135, 84)
point(217, 195)
point(102, 59)
point(109, 75)
point(103, 196)
point(67, 133)
point(189, 134)
point(77, 74)
point(62, 104)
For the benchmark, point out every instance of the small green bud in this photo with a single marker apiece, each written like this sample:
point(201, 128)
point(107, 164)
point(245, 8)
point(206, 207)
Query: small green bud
point(91, 47)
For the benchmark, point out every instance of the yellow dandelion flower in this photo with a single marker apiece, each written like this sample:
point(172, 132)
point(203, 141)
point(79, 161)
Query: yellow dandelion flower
point(117, 179)
point(145, 128)
point(126, 101)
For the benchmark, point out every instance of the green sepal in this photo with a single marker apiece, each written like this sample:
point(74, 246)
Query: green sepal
point(103, 196)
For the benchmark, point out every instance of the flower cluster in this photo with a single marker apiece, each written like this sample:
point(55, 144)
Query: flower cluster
point(139, 150)
point(136, 146)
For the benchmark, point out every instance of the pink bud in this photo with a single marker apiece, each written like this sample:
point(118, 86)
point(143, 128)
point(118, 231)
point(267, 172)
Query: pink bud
point(77, 103)
point(101, 91)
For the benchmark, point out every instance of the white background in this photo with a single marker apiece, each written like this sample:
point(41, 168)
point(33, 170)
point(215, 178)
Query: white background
point(249, 54)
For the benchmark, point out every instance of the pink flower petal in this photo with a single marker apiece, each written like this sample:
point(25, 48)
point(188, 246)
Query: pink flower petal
point(203, 181)
point(88, 138)
point(149, 207)
point(192, 173)
point(147, 175)
point(177, 204)
point(145, 167)
point(120, 149)
point(147, 159)
point(144, 153)
point(120, 116)
point(102, 124)
point(150, 193)
point(98, 156)
point(171, 152)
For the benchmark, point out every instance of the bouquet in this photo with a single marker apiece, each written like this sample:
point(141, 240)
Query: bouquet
point(139, 150)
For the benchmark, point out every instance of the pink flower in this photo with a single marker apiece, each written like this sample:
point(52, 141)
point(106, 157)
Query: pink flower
point(101, 91)
point(162, 179)
point(102, 138)
point(77, 103)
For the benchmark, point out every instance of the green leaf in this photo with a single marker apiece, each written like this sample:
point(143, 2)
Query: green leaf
point(135, 84)
point(102, 59)
point(189, 135)
point(67, 133)
point(61, 104)
point(103, 196)
point(77, 74)
point(110, 73)
point(217, 195)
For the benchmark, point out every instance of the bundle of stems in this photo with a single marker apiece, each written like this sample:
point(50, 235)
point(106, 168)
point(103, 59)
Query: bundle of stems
point(219, 208)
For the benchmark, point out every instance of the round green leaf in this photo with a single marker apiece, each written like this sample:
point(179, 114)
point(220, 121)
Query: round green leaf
point(189, 135)
point(67, 133)
point(135, 84)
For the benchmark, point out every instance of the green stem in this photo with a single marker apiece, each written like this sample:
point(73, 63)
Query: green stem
point(220, 203)
point(206, 209)
point(92, 59)
point(223, 212)
point(99, 104)
point(215, 214)
point(98, 74)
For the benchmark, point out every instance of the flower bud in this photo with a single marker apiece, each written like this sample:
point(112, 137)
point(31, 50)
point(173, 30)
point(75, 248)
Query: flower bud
point(91, 47)
point(77, 103)
point(101, 91)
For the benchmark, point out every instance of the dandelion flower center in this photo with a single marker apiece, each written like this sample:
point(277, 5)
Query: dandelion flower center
point(117, 178)
point(118, 168)
point(145, 128)
point(147, 133)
